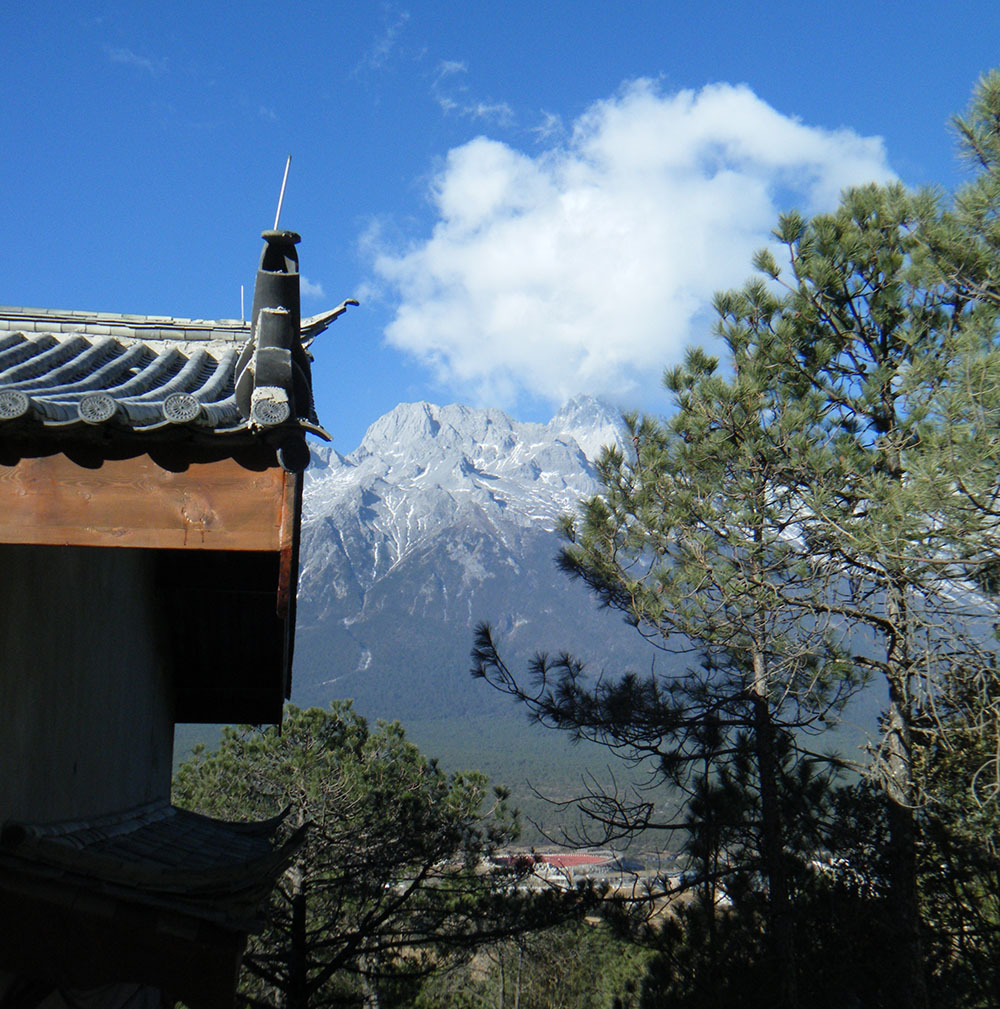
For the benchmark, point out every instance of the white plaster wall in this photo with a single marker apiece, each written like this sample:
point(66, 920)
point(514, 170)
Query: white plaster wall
point(86, 715)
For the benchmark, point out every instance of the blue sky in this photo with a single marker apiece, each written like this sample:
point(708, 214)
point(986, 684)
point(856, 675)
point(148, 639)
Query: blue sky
point(529, 202)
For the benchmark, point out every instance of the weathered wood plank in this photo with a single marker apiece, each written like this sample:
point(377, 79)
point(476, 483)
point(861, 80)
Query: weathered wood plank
point(136, 503)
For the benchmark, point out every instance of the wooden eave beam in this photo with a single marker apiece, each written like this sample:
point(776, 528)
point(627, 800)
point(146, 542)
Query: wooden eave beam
point(134, 502)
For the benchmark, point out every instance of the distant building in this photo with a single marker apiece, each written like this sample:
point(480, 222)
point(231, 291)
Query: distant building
point(150, 499)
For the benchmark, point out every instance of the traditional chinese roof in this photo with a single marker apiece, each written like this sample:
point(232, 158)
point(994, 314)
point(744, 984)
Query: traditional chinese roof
point(160, 855)
point(131, 381)
point(140, 377)
point(64, 368)
point(155, 895)
point(184, 439)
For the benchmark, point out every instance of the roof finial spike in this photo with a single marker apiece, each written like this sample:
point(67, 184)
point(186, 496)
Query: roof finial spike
point(281, 195)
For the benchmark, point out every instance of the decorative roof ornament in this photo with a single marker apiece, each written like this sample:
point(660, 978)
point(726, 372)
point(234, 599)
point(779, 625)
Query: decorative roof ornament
point(273, 377)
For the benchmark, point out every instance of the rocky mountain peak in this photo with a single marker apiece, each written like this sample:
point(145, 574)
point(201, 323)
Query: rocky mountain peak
point(424, 471)
point(442, 516)
point(592, 423)
point(425, 429)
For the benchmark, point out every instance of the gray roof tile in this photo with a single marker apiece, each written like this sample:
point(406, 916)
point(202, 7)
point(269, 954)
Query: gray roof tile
point(160, 854)
point(57, 374)
point(130, 375)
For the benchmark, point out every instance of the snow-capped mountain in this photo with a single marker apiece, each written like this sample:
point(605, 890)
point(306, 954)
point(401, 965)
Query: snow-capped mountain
point(443, 517)
point(422, 469)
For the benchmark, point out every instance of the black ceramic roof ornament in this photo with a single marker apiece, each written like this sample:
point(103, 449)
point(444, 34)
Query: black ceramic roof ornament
point(273, 377)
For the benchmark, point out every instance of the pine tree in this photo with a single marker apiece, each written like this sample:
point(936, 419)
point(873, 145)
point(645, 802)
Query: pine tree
point(387, 884)
point(870, 326)
point(695, 539)
point(821, 511)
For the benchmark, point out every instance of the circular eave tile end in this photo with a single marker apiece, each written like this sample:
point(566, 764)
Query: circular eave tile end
point(13, 404)
point(181, 408)
point(97, 408)
point(269, 407)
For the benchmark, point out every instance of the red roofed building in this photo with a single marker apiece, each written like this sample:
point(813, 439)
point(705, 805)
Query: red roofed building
point(574, 859)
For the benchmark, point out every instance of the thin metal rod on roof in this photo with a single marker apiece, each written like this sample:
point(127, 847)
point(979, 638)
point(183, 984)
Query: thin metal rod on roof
point(243, 315)
point(281, 196)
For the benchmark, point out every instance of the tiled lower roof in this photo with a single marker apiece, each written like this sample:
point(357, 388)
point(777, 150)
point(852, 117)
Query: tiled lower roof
point(159, 855)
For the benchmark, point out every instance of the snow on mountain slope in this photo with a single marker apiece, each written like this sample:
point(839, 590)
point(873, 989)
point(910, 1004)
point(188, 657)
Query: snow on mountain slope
point(442, 517)
point(422, 469)
point(445, 516)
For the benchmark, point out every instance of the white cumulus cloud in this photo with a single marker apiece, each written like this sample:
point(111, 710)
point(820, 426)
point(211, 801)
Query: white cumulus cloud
point(587, 267)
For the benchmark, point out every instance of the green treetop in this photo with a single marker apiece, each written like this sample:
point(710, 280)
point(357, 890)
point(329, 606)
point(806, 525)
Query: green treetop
point(388, 882)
